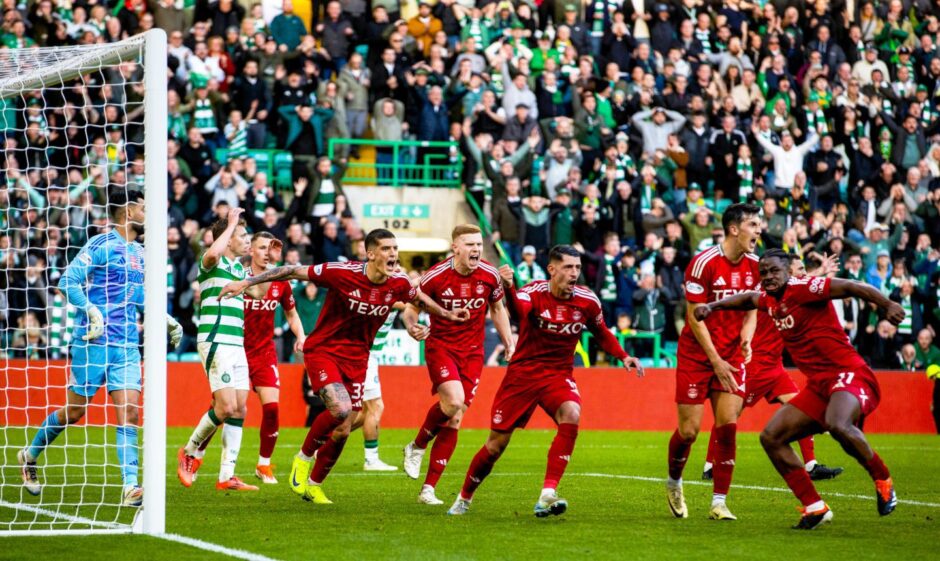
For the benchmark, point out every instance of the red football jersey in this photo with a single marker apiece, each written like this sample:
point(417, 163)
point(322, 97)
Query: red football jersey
point(710, 277)
point(810, 328)
point(550, 329)
point(452, 291)
point(259, 317)
point(766, 348)
point(354, 309)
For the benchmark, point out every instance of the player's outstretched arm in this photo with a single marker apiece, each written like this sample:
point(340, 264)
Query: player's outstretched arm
point(743, 302)
point(285, 272)
point(215, 251)
point(500, 316)
point(843, 288)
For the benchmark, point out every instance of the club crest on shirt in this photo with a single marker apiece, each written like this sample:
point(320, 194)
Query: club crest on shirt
point(576, 315)
point(274, 292)
point(480, 288)
point(388, 297)
point(748, 279)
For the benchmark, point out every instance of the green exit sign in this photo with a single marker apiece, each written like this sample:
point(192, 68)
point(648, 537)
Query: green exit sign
point(397, 211)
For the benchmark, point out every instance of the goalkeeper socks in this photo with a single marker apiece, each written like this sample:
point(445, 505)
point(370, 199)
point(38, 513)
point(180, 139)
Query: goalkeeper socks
point(231, 445)
point(203, 432)
point(559, 454)
point(802, 486)
point(433, 421)
point(50, 429)
point(441, 451)
point(326, 459)
point(678, 455)
point(877, 468)
point(269, 428)
point(725, 447)
point(480, 467)
point(372, 450)
point(808, 451)
point(321, 428)
point(127, 454)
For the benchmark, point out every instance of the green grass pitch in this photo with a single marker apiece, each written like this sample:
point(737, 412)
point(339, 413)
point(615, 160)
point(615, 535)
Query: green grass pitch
point(617, 506)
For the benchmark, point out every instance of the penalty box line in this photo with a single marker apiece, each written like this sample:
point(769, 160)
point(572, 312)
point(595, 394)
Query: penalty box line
point(99, 527)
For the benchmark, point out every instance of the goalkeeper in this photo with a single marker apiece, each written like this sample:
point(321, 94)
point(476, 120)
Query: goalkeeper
point(105, 282)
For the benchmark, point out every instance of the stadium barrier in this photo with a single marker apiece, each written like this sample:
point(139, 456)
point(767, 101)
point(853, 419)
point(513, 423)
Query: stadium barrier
point(402, 163)
point(613, 399)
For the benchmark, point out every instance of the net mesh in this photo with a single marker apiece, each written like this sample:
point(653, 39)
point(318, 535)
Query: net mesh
point(71, 120)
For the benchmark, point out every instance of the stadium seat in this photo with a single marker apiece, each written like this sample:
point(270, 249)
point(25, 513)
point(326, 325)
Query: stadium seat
point(283, 162)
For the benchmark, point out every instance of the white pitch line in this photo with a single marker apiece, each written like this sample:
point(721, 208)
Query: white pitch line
point(67, 517)
point(214, 548)
point(185, 540)
point(747, 487)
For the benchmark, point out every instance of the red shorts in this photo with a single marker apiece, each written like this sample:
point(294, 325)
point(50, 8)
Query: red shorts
point(517, 397)
point(262, 370)
point(450, 365)
point(695, 380)
point(768, 383)
point(323, 370)
point(860, 382)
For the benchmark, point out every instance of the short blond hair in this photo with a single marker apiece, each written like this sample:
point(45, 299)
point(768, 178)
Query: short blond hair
point(463, 229)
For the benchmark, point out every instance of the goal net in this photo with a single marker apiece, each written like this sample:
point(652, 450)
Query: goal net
point(83, 128)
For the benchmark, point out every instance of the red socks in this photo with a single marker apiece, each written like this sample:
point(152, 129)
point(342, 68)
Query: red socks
point(269, 428)
point(433, 422)
point(725, 438)
point(678, 454)
point(802, 486)
point(877, 468)
point(321, 428)
point(560, 454)
point(443, 449)
point(807, 449)
point(326, 459)
point(480, 467)
point(710, 454)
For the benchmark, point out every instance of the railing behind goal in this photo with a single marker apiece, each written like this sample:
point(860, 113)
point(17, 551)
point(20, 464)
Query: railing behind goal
point(80, 125)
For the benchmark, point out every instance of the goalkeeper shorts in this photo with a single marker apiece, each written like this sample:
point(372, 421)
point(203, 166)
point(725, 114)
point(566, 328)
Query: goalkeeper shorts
point(226, 366)
point(94, 365)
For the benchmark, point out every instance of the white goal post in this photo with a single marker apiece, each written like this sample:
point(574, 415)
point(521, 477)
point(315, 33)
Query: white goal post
point(81, 493)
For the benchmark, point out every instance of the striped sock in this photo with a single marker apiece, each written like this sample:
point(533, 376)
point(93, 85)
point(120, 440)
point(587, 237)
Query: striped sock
point(231, 445)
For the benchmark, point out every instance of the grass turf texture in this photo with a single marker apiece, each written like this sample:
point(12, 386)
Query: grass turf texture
point(376, 515)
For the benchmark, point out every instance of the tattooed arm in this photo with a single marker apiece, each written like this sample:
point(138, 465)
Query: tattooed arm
point(286, 272)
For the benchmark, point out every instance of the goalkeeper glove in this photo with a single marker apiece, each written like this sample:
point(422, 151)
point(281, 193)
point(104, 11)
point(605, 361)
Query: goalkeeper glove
point(175, 330)
point(95, 323)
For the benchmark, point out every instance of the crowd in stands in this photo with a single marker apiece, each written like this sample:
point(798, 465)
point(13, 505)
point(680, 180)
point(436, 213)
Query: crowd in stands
point(623, 127)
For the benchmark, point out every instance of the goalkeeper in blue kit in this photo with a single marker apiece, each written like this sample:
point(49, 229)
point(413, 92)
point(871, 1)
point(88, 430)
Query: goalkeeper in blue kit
point(105, 283)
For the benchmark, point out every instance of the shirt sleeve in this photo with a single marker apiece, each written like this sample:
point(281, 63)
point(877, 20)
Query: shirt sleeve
point(697, 279)
point(497, 294)
point(815, 289)
point(606, 339)
point(763, 301)
point(408, 293)
point(72, 283)
point(287, 297)
point(323, 275)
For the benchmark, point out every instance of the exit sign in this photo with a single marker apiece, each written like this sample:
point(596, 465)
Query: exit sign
point(411, 218)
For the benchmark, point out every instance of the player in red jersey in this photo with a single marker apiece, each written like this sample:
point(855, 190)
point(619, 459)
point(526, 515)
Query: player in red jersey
point(260, 349)
point(336, 354)
point(454, 351)
point(552, 315)
point(767, 379)
point(841, 390)
point(712, 355)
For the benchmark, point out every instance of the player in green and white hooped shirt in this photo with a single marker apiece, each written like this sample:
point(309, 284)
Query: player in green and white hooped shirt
point(372, 405)
point(220, 343)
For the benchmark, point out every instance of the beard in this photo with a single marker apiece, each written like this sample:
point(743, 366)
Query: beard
point(138, 229)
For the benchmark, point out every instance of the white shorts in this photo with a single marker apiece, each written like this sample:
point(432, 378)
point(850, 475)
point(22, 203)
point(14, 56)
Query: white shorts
point(372, 389)
point(226, 366)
